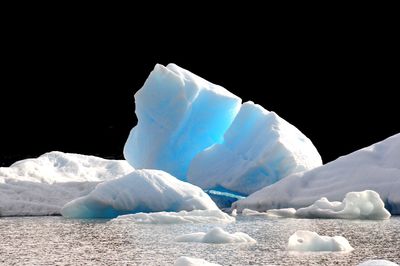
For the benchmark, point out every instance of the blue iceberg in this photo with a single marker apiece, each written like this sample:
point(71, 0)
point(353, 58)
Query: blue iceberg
point(201, 133)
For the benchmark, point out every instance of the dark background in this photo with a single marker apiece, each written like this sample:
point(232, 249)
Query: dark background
point(70, 88)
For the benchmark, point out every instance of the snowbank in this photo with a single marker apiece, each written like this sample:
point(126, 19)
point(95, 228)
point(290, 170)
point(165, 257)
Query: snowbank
point(196, 216)
point(311, 241)
point(216, 236)
point(187, 261)
point(43, 185)
point(377, 263)
point(140, 191)
point(258, 149)
point(373, 168)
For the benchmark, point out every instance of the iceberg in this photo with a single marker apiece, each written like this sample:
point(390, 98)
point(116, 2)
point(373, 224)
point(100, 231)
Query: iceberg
point(311, 241)
point(188, 261)
point(258, 149)
point(200, 132)
point(377, 263)
point(216, 236)
point(376, 168)
point(140, 191)
point(43, 185)
point(192, 217)
point(179, 114)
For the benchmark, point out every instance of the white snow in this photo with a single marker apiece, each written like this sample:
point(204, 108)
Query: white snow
point(258, 149)
point(273, 213)
point(140, 191)
point(41, 186)
point(311, 241)
point(216, 236)
point(195, 216)
point(377, 263)
point(373, 168)
point(356, 205)
point(188, 261)
point(179, 114)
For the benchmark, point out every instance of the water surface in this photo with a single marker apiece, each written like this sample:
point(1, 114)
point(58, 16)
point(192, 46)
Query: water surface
point(59, 241)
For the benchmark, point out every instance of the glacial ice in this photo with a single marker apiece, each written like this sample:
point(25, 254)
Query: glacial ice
point(356, 205)
point(311, 241)
point(195, 216)
point(364, 205)
point(259, 149)
point(377, 263)
point(179, 114)
point(188, 261)
point(140, 191)
point(376, 167)
point(41, 186)
point(186, 123)
point(216, 236)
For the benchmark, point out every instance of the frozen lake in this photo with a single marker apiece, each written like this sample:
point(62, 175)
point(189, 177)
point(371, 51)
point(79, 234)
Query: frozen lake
point(59, 241)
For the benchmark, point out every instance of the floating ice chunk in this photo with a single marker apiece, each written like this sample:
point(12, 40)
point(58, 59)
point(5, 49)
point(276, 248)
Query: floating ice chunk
point(273, 213)
point(216, 236)
point(139, 191)
point(188, 261)
point(196, 216)
point(377, 263)
point(356, 205)
point(373, 168)
point(258, 149)
point(179, 114)
point(311, 241)
point(41, 186)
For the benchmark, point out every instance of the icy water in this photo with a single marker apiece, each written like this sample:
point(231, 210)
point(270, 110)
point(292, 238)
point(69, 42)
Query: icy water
point(59, 241)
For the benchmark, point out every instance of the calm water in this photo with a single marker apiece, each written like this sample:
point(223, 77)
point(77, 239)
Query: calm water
point(58, 241)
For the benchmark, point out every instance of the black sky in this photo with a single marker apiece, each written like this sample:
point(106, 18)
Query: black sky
point(73, 90)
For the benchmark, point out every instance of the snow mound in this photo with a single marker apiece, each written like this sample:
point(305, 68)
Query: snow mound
point(258, 149)
point(373, 168)
point(140, 191)
point(216, 236)
point(311, 241)
point(58, 166)
point(188, 261)
point(273, 213)
point(356, 205)
point(179, 114)
point(377, 263)
point(43, 185)
point(196, 216)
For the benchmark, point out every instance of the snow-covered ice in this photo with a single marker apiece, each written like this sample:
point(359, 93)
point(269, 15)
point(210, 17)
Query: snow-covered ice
point(188, 261)
point(216, 236)
point(41, 186)
point(179, 114)
point(376, 167)
point(258, 149)
point(59, 167)
point(356, 205)
point(195, 216)
point(273, 213)
point(140, 191)
point(311, 241)
point(377, 263)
